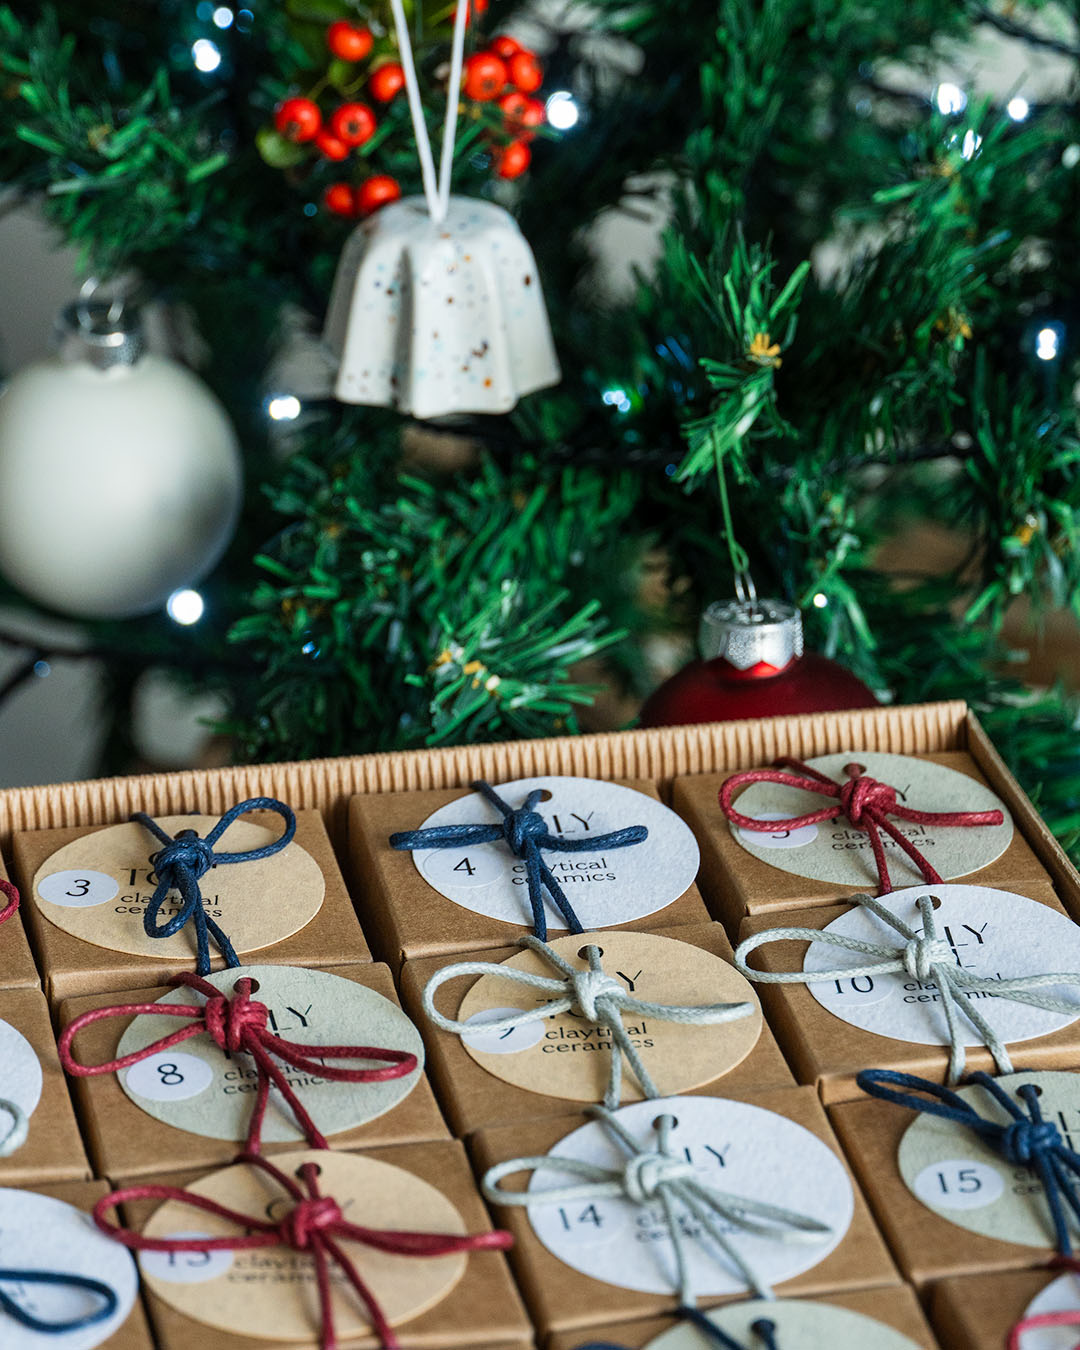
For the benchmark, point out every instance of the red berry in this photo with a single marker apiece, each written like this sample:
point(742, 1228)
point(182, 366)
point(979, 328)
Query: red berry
point(523, 114)
point(485, 76)
point(387, 82)
point(512, 160)
point(348, 42)
point(331, 146)
point(376, 192)
point(340, 198)
point(298, 119)
point(353, 123)
point(533, 114)
point(504, 46)
point(526, 72)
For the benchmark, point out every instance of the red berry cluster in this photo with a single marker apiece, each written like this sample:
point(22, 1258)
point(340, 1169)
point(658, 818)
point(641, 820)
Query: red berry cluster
point(509, 73)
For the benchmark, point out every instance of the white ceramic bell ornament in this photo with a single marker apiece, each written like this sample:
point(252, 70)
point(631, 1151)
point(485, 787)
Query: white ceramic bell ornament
point(120, 473)
point(436, 306)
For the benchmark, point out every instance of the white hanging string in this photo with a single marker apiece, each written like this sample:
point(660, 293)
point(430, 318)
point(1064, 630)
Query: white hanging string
point(436, 188)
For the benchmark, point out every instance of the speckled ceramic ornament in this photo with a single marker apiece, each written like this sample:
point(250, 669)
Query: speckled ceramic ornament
point(440, 317)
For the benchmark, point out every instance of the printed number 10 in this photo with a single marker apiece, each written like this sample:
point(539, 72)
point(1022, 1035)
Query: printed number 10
point(860, 984)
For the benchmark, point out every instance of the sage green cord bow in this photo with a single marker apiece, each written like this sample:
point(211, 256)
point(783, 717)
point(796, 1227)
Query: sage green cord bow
point(659, 1174)
point(594, 994)
point(926, 957)
point(20, 1128)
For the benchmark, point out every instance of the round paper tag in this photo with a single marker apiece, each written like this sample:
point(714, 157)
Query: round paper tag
point(40, 1233)
point(837, 852)
point(198, 1088)
point(98, 887)
point(271, 1292)
point(20, 1076)
point(962, 1179)
point(606, 888)
point(737, 1148)
point(1061, 1295)
point(569, 1057)
point(993, 935)
point(801, 1323)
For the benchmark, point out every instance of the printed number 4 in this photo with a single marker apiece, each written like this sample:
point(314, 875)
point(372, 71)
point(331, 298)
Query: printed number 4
point(464, 866)
point(967, 1181)
point(588, 1215)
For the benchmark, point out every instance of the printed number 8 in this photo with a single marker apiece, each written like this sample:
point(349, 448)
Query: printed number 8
point(170, 1075)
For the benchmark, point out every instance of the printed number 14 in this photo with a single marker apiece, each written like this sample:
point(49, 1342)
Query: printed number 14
point(588, 1215)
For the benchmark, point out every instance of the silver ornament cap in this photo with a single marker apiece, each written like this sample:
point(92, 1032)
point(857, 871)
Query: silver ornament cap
point(105, 333)
point(747, 632)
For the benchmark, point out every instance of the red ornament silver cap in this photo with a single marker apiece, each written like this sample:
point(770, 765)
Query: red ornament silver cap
point(746, 633)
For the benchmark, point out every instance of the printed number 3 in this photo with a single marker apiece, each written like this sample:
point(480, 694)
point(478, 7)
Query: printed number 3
point(84, 882)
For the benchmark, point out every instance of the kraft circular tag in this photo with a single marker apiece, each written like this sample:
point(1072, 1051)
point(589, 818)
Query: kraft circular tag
point(1060, 1295)
point(991, 934)
point(40, 1233)
point(796, 1321)
point(605, 888)
point(271, 1293)
point(569, 1057)
point(737, 1148)
point(20, 1077)
point(198, 1088)
point(953, 1172)
point(835, 851)
point(98, 887)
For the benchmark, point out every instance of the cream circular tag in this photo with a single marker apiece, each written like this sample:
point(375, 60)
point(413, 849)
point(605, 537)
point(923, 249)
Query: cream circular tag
point(198, 1088)
point(1060, 1295)
point(814, 1326)
point(40, 1233)
point(271, 1292)
point(962, 1179)
point(991, 934)
point(734, 1147)
point(20, 1077)
point(98, 887)
point(605, 888)
point(839, 853)
point(569, 1057)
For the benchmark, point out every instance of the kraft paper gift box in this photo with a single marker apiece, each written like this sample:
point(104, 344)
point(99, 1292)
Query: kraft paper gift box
point(473, 1098)
point(562, 1299)
point(977, 1312)
point(72, 966)
point(17, 969)
point(126, 1142)
point(406, 918)
point(483, 1309)
point(134, 1332)
point(893, 1305)
point(827, 1051)
point(29, 1065)
point(736, 883)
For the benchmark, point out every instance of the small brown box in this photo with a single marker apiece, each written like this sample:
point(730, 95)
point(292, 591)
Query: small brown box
point(483, 1309)
point(977, 1312)
point(84, 1195)
point(53, 1150)
point(894, 1305)
point(561, 1298)
point(926, 1246)
point(474, 1098)
point(737, 884)
point(828, 1052)
point(407, 918)
point(125, 1142)
point(17, 969)
point(72, 967)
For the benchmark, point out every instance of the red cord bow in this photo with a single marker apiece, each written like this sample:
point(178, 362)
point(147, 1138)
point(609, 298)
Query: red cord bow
point(12, 894)
point(237, 1024)
point(863, 800)
point(313, 1225)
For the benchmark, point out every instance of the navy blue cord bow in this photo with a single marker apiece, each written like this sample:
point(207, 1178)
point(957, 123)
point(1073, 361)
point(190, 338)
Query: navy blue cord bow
point(1027, 1140)
point(179, 864)
point(55, 1277)
point(763, 1329)
point(526, 834)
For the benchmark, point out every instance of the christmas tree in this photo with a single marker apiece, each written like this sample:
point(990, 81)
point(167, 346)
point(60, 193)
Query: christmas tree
point(860, 317)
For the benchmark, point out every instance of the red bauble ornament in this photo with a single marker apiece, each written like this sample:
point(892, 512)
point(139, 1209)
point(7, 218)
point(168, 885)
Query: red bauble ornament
point(504, 46)
point(387, 82)
point(375, 192)
point(341, 199)
point(512, 160)
point(353, 123)
point(330, 145)
point(348, 42)
point(298, 119)
point(485, 77)
point(526, 72)
point(753, 665)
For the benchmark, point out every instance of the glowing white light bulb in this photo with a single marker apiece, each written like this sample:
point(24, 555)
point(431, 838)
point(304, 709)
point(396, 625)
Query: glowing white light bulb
point(971, 144)
point(185, 607)
point(284, 407)
point(1018, 108)
point(206, 55)
point(1047, 344)
point(950, 98)
point(223, 16)
point(562, 112)
point(820, 600)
